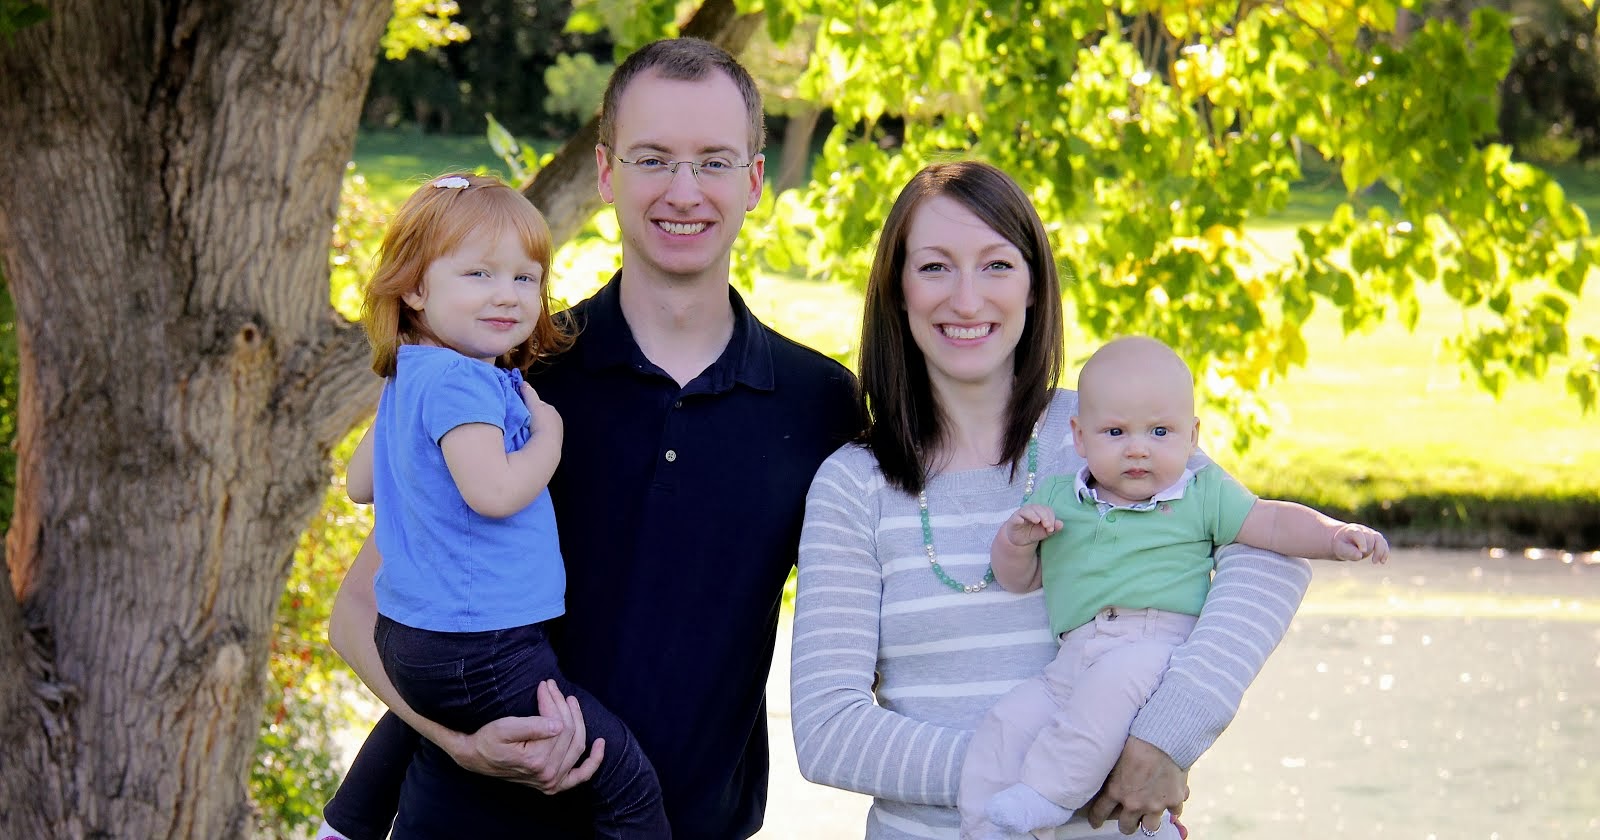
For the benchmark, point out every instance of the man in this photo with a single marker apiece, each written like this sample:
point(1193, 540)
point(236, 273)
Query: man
point(692, 433)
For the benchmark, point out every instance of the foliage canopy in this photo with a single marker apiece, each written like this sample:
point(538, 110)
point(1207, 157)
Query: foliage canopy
point(1151, 132)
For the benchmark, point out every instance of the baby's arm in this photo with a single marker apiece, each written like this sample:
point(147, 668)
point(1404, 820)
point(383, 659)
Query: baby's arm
point(1299, 531)
point(1014, 555)
point(496, 483)
point(358, 473)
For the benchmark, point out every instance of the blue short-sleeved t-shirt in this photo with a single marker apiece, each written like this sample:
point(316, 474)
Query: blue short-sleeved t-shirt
point(445, 566)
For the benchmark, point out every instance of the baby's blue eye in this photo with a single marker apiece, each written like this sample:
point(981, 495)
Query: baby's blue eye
point(1159, 431)
point(1114, 432)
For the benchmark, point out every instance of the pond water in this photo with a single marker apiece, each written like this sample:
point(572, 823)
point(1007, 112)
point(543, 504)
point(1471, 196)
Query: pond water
point(1450, 694)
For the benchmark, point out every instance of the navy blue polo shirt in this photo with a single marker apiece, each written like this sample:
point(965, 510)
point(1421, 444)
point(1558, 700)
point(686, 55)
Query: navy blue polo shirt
point(679, 511)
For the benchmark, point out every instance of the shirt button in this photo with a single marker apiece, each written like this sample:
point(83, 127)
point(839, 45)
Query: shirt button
point(1111, 517)
point(672, 455)
point(678, 404)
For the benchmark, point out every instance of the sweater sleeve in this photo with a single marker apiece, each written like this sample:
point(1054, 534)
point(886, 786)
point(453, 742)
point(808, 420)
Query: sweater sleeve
point(842, 737)
point(1253, 597)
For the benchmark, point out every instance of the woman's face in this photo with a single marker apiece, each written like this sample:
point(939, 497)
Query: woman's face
point(967, 293)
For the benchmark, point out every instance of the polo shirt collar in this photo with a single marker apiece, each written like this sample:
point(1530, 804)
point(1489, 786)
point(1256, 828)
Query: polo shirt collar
point(609, 342)
point(1172, 493)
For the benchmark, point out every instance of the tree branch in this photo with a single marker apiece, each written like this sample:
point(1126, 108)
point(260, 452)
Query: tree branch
point(333, 374)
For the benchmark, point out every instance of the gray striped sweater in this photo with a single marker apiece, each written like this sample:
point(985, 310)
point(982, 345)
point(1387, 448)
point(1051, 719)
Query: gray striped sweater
point(868, 603)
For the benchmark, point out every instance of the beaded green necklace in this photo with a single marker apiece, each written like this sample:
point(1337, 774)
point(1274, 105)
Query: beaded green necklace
point(927, 528)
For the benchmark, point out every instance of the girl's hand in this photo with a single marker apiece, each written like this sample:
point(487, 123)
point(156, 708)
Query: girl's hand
point(1030, 525)
point(546, 420)
point(1354, 542)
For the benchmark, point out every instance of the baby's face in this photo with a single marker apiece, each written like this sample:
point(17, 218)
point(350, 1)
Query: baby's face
point(1137, 438)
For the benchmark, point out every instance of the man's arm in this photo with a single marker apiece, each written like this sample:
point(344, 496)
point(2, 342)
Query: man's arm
point(540, 751)
point(358, 473)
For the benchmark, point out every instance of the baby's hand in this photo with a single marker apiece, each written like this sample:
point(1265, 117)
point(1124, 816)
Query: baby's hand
point(1353, 542)
point(1030, 525)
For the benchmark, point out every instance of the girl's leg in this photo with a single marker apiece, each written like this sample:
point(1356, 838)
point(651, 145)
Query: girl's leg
point(465, 680)
point(364, 806)
point(626, 793)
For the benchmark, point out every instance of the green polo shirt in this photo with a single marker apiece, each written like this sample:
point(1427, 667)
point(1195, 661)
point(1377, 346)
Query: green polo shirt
point(1155, 554)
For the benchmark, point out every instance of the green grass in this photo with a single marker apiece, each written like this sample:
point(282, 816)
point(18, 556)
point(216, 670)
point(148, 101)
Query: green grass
point(1385, 425)
point(397, 162)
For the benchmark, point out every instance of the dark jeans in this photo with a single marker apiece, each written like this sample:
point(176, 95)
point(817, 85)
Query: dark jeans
point(464, 680)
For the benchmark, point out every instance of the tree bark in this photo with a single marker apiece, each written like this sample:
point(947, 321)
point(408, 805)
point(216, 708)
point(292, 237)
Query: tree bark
point(171, 175)
point(794, 167)
point(565, 190)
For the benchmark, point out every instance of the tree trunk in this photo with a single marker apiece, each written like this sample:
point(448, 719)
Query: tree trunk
point(794, 168)
point(170, 177)
point(565, 189)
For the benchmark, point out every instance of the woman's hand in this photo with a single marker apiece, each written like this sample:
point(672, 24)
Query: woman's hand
point(541, 752)
point(1145, 784)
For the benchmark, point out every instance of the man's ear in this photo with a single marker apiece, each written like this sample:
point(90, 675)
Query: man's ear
point(602, 164)
point(758, 174)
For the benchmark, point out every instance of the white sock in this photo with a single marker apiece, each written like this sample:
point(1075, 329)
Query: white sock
point(328, 832)
point(1021, 808)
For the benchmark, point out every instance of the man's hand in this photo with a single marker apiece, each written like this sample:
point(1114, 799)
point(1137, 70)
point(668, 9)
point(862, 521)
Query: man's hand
point(1144, 784)
point(541, 752)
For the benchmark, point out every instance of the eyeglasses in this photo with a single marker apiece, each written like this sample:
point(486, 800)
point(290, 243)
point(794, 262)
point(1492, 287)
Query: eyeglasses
point(705, 171)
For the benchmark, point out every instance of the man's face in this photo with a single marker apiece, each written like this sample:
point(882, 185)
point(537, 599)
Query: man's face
point(677, 226)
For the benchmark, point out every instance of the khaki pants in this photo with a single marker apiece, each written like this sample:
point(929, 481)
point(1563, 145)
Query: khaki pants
point(1061, 732)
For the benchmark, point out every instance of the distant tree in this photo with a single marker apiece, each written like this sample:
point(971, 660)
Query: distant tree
point(500, 70)
point(1551, 107)
point(1152, 133)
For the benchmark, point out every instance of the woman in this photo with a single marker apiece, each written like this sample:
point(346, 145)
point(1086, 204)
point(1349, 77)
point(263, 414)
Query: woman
point(901, 639)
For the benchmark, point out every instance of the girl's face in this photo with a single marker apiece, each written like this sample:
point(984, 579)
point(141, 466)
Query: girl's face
point(483, 298)
point(967, 293)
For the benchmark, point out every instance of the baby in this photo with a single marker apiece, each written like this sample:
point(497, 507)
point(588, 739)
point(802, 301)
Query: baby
point(1123, 550)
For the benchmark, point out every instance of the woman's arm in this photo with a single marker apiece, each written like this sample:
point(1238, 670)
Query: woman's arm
point(842, 737)
point(1253, 597)
point(539, 751)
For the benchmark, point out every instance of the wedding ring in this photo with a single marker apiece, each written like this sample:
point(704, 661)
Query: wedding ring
point(1147, 832)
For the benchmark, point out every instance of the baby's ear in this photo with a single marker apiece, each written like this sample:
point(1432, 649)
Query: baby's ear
point(1194, 434)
